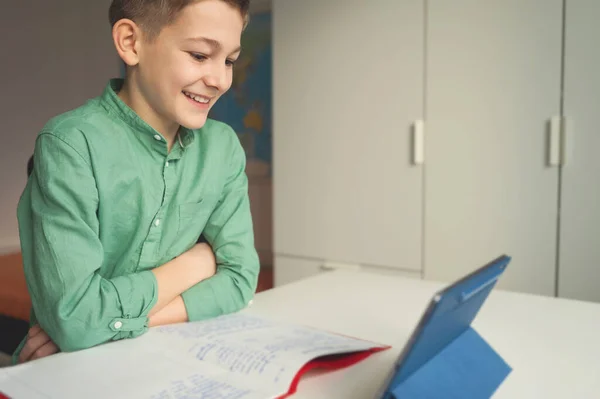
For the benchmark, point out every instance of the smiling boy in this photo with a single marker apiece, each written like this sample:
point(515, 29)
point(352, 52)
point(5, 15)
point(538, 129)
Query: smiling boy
point(124, 186)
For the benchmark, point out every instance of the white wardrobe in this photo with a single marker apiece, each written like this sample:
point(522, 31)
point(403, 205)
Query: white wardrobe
point(425, 138)
point(579, 250)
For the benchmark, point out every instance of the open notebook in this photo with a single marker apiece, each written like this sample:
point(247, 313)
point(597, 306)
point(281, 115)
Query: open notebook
point(231, 357)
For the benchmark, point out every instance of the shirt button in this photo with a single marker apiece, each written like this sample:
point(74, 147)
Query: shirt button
point(118, 325)
point(167, 164)
point(157, 137)
point(157, 222)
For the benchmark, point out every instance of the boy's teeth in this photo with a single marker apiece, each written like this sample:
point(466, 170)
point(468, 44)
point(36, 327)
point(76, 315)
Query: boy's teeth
point(196, 98)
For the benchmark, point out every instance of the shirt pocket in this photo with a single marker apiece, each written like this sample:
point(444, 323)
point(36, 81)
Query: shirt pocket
point(193, 216)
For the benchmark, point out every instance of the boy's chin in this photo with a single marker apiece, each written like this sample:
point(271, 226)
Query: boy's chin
point(193, 123)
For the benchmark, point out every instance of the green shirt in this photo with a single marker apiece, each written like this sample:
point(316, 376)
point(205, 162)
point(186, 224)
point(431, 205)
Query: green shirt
point(107, 203)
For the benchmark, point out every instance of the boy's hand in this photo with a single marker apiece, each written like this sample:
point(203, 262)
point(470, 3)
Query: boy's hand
point(38, 345)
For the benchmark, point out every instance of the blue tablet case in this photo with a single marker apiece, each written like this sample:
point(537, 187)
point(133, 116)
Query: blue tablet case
point(446, 357)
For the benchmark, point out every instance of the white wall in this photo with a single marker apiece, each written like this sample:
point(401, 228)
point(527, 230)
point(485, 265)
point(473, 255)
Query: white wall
point(55, 55)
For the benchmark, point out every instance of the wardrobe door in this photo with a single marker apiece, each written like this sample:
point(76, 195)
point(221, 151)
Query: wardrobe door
point(347, 90)
point(579, 267)
point(493, 86)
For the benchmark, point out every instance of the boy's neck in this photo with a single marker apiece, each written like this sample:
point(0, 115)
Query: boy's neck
point(131, 96)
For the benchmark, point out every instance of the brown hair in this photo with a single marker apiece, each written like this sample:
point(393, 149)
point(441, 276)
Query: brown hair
point(153, 15)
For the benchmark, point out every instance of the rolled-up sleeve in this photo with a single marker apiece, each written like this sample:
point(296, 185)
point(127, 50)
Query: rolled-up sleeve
point(62, 255)
point(230, 233)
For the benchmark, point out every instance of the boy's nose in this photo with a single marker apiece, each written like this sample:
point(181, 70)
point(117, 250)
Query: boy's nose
point(216, 78)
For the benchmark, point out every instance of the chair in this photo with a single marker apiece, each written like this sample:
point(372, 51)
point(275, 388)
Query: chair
point(30, 166)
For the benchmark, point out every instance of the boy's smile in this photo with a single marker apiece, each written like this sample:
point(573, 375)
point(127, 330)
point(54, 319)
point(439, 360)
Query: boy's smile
point(175, 78)
point(198, 99)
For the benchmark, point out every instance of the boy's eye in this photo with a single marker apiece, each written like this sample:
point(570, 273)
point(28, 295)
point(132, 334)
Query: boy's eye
point(198, 57)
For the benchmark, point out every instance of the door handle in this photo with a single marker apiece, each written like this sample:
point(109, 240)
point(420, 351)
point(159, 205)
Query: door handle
point(418, 141)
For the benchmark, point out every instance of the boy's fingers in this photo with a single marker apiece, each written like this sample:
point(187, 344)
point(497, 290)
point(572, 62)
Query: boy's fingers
point(46, 350)
point(33, 331)
point(32, 345)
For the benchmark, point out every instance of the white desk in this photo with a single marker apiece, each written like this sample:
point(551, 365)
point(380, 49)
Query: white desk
point(553, 345)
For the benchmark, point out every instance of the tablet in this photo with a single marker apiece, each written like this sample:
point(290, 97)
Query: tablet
point(449, 314)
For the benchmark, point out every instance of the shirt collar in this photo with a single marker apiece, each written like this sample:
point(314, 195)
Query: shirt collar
point(113, 104)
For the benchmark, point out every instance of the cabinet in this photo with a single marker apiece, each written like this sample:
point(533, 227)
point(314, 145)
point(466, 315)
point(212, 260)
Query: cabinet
point(346, 98)
point(501, 173)
point(493, 85)
point(579, 266)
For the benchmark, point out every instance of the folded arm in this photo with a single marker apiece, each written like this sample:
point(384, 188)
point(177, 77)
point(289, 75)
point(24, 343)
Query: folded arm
point(74, 304)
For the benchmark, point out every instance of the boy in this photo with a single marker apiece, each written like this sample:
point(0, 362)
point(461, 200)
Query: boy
point(123, 187)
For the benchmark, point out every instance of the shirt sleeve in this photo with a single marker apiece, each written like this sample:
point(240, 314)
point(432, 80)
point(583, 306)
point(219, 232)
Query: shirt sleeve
point(62, 255)
point(229, 231)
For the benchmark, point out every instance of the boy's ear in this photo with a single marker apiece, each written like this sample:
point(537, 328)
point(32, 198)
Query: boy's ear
point(127, 37)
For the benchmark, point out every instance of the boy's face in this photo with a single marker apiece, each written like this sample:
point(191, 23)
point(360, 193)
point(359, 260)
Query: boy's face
point(189, 65)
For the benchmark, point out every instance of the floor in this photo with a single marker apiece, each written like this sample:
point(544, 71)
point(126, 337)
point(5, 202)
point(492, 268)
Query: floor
point(14, 302)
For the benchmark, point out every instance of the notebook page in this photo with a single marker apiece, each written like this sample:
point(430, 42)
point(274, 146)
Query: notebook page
point(231, 357)
point(265, 353)
point(148, 367)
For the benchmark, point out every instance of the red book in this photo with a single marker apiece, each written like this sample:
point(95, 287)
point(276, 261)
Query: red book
point(330, 363)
